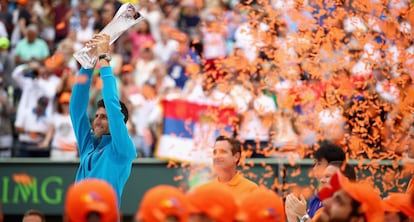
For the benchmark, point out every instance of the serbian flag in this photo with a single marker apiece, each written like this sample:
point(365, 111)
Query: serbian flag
point(190, 129)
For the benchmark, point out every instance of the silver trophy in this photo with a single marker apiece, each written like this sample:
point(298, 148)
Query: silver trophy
point(126, 17)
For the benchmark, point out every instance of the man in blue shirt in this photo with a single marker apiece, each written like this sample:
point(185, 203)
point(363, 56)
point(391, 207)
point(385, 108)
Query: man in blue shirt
point(105, 147)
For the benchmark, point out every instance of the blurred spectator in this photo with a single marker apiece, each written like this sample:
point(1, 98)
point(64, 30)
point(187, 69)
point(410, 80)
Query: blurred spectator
point(331, 122)
point(91, 200)
point(35, 81)
point(161, 81)
point(80, 9)
point(6, 133)
point(31, 48)
point(166, 46)
point(47, 32)
point(256, 123)
point(140, 37)
point(62, 12)
point(105, 15)
point(3, 30)
point(6, 17)
point(26, 16)
point(286, 135)
point(145, 64)
point(181, 59)
point(214, 37)
point(144, 104)
point(85, 31)
point(33, 215)
point(60, 137)
point(151, 11)
point(32, 126)
point(127, 87)
point(163, 203)
point(66, 81)
point(6, 63)
point(189, 19)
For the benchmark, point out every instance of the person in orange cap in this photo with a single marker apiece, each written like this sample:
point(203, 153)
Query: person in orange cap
point(211, 202)
point(269, 209)
point(163, 203)
point(226, 157)
point(344, 201)
point(91, 200)
point(398, 207)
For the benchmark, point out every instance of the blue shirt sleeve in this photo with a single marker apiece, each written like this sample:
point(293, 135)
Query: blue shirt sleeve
point(122, 144)
point(78, 109)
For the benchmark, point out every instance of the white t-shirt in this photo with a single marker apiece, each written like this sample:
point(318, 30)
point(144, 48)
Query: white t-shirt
point(64, 136)
point(32, 123)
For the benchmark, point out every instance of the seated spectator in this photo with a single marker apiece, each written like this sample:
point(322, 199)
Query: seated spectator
point(91, 200)
point(33, 215)
point(269, 208)
point(163, 203)
point(31, 48)
point(32, 127)
point(60, 137)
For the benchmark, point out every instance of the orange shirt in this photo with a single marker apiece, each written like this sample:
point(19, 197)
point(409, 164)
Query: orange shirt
point(239, 185)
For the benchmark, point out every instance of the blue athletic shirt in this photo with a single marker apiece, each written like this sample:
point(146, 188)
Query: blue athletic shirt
point(110, 157)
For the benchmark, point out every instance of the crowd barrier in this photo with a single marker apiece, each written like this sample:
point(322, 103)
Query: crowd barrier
point(42, 183)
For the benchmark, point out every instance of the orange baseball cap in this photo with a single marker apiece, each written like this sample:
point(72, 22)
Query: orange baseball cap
point(127, 68)
point(262, 205)
point(214, 200)
point(91, 195)
point(399, 202)
point(359, 191)
point(162, 201)
point(64, 97)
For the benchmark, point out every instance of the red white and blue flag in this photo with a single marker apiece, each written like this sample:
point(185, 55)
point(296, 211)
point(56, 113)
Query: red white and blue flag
point(189, 130)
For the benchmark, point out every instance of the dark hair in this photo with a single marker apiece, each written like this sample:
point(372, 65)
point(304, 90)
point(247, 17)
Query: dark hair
point(33, 212)
point(235, 144)
point(93, 217)
point(330, 152)
point(346, 169)
point(355, 210)
point(124, 109)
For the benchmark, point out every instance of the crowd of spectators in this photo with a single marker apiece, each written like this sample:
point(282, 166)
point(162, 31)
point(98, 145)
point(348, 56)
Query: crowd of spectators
point(296, 72)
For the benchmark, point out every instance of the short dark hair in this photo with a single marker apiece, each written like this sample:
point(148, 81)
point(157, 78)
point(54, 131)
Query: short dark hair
point(33, 212)
point(346, 169)
point(235, 144)
point(124, 109)
point(93, 216)
point(330, 152)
